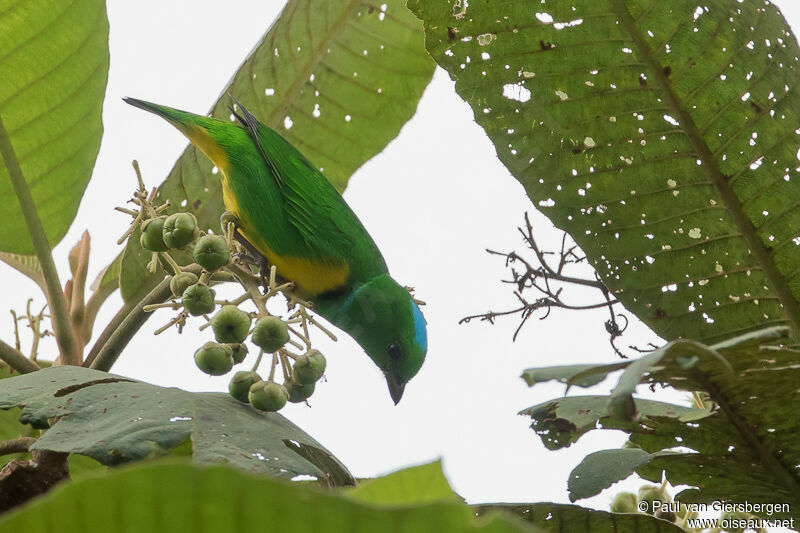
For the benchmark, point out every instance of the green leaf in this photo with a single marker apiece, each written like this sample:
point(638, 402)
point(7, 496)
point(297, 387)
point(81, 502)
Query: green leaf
point(599, 470)
point(345, 75)
point(81, 466)
point(135, 281)
point(580, 375)
point(53, 73)
point(10, 427)
point(26, 264)
point(558, 518)
point(115, 420)
point(561, 422)
point(750, 391)
point(660, 137)
point(183, 498)
point(410, 486)
point(109, 276)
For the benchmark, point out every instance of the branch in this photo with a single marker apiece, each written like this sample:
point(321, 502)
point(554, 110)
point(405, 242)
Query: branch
point(18, 445)
point(108, 331)
point(16, 360)
point(58, 307)
point(121, 335)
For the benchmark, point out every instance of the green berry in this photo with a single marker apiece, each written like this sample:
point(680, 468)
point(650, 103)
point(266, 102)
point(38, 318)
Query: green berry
point(180, 229)
point(624, 502)
point(211, 252)
point(198, 299)
point(308, 368)
point(267, 395)
point(230, 324)
point(270, 333)
point(240, 384)
point(239, 352)
point(214, 359)
point(651, 493)
point(181, 282)
point(151, 238)
point(300, 393)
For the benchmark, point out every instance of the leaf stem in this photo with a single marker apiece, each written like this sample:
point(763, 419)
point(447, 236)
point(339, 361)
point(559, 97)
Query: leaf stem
point(58, 306)
point(16, 360)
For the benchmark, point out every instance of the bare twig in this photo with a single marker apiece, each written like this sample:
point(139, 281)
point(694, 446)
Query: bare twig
point(547, 276)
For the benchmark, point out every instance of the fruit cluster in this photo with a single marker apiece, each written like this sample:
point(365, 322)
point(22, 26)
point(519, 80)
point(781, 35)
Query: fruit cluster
point(217, 259)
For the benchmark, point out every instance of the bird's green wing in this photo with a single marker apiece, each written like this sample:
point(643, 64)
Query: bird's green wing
point(313, 206)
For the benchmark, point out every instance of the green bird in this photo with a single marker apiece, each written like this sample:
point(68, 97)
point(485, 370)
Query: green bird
point(291, 214)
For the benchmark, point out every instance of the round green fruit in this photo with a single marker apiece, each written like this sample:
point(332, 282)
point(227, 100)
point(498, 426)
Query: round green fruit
point(624, 502)
point(240, 384)
point(239, 352)
point(180, 229)
point(211, 252)
point(181, 282)
point(151, 238)
point(300, 393)
point(308, 368)
point(198, 299)
point(267, 396)
point(230, 324)
point(270, 333)
point(651, 493)
point(214, 359)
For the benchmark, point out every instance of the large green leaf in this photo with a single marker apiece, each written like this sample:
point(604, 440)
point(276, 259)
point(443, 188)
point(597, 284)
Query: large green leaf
point(743, 449)
point(114, 420)
point(183, 498)
point(419, 484)
point(53, 73)
point(660, 135)
point(337, 78)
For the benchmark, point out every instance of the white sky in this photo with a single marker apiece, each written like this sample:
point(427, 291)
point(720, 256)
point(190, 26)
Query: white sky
point(433, 201)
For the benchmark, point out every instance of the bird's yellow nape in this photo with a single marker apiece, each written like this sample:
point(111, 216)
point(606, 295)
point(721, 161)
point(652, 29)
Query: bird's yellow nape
point(200, 137)
point(192, 126)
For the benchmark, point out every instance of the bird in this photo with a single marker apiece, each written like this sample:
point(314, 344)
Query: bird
point(289, 212)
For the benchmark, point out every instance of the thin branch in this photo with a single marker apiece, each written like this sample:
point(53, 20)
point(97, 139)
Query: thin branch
point(18, 445)
point(58, 306)
point(112, 326)
point(16, 360)
point(545, 279)
point(111, 349)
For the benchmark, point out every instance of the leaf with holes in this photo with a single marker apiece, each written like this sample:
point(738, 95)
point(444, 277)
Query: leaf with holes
point(743, 449)
point(115, 420)
point(53, 73)
point(337, 78)
point(663, 136)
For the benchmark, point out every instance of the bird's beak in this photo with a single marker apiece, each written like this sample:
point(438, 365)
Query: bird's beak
point(395, 388)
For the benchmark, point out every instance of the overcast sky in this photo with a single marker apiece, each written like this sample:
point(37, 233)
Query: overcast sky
point(433, 201)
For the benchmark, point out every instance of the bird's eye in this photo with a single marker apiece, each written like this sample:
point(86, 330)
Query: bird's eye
point(395, 351)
